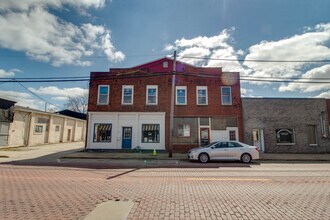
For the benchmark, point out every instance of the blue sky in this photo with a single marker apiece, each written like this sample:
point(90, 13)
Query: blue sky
point(60, 38)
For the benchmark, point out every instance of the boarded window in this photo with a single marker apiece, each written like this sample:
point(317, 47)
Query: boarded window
point(312, 135)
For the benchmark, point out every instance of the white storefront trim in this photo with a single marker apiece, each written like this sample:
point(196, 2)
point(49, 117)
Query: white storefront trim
point(118, 120)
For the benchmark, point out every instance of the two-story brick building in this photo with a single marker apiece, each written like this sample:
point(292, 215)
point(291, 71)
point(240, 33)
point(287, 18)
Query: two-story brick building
point(130, 107)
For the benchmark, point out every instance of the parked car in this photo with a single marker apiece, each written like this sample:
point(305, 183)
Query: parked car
point(224, 150)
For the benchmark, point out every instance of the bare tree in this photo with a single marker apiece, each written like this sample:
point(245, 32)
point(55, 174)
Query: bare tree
point(77, 103)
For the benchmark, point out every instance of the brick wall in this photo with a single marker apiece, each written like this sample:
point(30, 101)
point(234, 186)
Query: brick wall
point(270, 114)
point(163, 79)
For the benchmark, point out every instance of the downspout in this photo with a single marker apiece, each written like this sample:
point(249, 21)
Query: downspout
point(86, 129)
point(27, 140)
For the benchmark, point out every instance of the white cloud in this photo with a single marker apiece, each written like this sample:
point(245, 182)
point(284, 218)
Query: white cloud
point(24, 5)
point(10, 73)
point(58, 93)
point(29, 27)
point(246, 92)
point(22, 99)
point(214, 47)
point(303, 84)
point(307, 46)
point(324, 95)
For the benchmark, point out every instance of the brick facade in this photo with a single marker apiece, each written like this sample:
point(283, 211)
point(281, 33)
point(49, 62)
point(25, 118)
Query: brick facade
point(155, 73)
point(298, 115)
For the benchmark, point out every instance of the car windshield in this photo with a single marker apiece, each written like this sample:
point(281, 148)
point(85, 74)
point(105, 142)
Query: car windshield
point(209, 145)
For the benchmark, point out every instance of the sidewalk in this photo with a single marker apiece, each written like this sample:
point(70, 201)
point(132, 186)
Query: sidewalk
point(183, 156)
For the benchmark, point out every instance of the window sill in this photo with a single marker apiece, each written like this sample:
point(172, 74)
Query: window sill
point(285, 144)
point(313, 145)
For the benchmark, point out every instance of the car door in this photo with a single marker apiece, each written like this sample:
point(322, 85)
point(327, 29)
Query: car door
point(234, 150)
point(219, 151)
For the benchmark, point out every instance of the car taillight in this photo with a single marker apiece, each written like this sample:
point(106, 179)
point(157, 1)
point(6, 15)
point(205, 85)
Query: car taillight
point(257, 149)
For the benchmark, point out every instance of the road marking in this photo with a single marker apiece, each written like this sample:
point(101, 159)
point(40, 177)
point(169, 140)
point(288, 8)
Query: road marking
point(229, 179)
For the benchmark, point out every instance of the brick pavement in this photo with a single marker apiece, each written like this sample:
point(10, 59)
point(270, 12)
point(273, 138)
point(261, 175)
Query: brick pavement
point(271, 191)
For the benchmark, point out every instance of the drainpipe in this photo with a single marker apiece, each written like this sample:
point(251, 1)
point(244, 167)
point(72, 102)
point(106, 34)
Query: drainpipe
point(27, 142)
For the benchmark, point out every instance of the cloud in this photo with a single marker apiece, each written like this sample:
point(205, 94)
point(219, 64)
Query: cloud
point(58, 93)
point(324, 95)
point(10, 73)
point(308, 46)
point(246, 92)
point(23, 5)
point(29, 27)
point(22, 99)
point(215, 47)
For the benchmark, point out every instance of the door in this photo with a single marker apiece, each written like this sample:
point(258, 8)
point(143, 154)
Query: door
point(205, 136)
point(127, 138)
point(234, 150)
point(4, 133)
point(258, 139)
point(220, 151)
point(69, 135)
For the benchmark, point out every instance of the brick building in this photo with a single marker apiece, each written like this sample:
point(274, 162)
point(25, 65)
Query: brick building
point(130, 107)
point(287, 125)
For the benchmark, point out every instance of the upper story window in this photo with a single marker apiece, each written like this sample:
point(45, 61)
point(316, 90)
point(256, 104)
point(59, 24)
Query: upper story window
point(152, 95)
point(128, 93)
point(165, 64)
point(201, 95)
point(103, 95)
point(181, 95)
point(226, 98)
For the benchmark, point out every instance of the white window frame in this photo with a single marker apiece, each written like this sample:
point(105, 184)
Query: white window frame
point(230, 93)
point(122, 96)
point(201, 88)
point(98, 95)
point(176, 95)
point(147, 94)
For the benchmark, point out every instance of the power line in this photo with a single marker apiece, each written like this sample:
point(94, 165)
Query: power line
point(262, 61)
point(242, 78)
point(34, 93)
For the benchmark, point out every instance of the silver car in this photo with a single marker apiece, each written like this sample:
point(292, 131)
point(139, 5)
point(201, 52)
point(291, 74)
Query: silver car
point(224, 150)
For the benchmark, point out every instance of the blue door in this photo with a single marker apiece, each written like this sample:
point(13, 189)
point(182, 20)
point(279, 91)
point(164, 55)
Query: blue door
point(127, 138)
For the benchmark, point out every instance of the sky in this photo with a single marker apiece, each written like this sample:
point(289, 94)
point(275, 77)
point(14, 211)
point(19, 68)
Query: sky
point(71, 38)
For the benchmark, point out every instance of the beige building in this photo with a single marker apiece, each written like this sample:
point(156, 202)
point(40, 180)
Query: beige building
point(33, 127)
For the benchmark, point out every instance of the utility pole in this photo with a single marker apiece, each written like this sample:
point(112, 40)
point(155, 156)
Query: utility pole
point(170, 154)
point(45, 106)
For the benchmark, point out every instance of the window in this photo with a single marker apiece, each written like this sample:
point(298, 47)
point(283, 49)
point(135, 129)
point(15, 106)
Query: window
point(312, 135)
point(221, 145)
point(184, 130)
point(102, 132)
point(201, 95)
point(232, 135)
point(128, 92)
point(150, 133)
point(152, 95)
point(57, 128)
point(284, 136)
point(181, 95)
point(103, 95)
point(38, 129)
point(165, 64)
point(234, 144)
point(226, 95)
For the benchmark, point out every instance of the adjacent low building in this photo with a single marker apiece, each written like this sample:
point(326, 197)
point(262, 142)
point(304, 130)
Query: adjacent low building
point(33, 127)
point(287, 125)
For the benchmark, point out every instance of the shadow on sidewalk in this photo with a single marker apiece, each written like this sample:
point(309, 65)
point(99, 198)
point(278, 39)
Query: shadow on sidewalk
point(59, 160)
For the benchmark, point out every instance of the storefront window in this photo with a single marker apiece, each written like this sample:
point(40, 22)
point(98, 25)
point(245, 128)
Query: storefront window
point(284, 136)
point(102, 132)
point(150, 133)
point(184, 130)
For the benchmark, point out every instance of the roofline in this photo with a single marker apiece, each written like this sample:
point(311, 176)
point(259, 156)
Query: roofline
point(285, 98)
point(26, 109)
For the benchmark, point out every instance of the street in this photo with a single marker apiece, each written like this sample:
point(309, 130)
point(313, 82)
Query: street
point(257, 191)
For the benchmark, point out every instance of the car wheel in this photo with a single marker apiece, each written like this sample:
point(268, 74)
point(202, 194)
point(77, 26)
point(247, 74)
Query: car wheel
point(246, 158)
point(203, 158)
